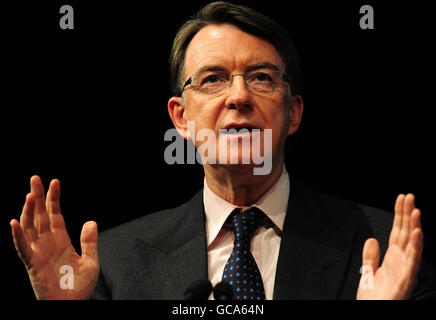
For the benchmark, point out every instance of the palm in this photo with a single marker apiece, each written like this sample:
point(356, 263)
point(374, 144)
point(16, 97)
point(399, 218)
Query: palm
point(396, 277)
point(44, 246)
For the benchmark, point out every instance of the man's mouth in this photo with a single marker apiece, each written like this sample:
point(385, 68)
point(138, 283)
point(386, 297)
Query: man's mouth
point(240, 128)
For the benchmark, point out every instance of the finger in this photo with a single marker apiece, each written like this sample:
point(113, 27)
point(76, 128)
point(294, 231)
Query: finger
point(371, 255)
point(415, 227)
point(21, 245)
point(26, 218)
point(41, 219)
point(88, 240)
point(396, 227)
point(53, 195)
point(415, 219)
point(414, 253)
point(408, 207)
point(53, 205)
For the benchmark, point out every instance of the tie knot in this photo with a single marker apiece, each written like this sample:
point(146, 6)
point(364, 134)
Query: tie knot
point(246, 222)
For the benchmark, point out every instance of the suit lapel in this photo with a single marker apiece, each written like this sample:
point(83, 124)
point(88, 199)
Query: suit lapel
point(189, 261)
point(315, 247)
point(177, 257)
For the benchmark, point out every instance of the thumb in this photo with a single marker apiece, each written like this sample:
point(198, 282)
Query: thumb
point(371, 255)
point(88, 240)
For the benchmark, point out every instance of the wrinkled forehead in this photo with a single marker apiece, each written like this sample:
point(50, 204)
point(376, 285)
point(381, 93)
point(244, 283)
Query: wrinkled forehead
point(228, 46)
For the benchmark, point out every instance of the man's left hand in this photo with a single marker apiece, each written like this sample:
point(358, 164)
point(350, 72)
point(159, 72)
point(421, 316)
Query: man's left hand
point(397, 276)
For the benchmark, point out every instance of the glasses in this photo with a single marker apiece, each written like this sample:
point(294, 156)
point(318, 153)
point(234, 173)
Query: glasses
point(217, 82)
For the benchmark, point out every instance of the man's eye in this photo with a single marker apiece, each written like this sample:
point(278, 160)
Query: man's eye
point(211, 79)
point(262, 77)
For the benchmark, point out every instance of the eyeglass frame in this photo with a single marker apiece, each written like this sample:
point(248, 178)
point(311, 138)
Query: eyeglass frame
point(283, 76)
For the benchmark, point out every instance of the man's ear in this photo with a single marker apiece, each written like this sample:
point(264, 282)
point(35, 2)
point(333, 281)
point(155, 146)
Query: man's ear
point(177, 110)
point(295, 114)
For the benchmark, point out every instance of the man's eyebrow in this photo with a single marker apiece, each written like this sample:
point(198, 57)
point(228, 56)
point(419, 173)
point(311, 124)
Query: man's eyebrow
point(254, 67)
point(262, 65)
point(208, 68)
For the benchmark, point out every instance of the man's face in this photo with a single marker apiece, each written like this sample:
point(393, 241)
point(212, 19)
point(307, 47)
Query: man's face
point(227, 48)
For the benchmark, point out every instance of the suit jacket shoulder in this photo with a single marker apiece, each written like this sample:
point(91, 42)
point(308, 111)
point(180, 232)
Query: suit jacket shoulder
point(148, 258)
point(321, 249)
point(377, 223)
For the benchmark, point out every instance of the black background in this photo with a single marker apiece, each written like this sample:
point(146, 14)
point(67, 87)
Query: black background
point(88, 106)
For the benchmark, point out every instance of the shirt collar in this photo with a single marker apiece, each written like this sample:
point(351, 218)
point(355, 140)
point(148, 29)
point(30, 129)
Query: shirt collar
point(273, 203)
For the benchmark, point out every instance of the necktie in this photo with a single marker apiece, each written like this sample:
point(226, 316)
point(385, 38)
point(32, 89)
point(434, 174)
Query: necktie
point(241, 270)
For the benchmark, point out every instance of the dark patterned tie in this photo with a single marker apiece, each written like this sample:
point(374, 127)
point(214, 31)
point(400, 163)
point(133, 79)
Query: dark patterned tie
point(241, 270)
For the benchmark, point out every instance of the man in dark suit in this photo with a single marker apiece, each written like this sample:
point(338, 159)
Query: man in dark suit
point(320, 251)
point(236, 78)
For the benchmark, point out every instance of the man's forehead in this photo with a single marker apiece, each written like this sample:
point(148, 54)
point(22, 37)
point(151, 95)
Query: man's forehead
point(225, 44)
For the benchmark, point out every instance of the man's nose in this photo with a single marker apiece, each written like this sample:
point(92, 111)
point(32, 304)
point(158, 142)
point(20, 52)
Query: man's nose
point(239, 97)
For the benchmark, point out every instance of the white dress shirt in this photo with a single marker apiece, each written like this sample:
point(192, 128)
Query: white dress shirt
point(265, 244)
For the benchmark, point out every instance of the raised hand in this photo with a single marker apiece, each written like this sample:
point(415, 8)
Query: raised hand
point(43, 244)
point(396, 277)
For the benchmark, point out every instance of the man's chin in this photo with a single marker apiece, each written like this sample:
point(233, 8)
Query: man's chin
point(247, 169)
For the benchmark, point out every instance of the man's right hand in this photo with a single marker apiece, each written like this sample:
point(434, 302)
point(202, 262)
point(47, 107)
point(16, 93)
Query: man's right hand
point(43, 244)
